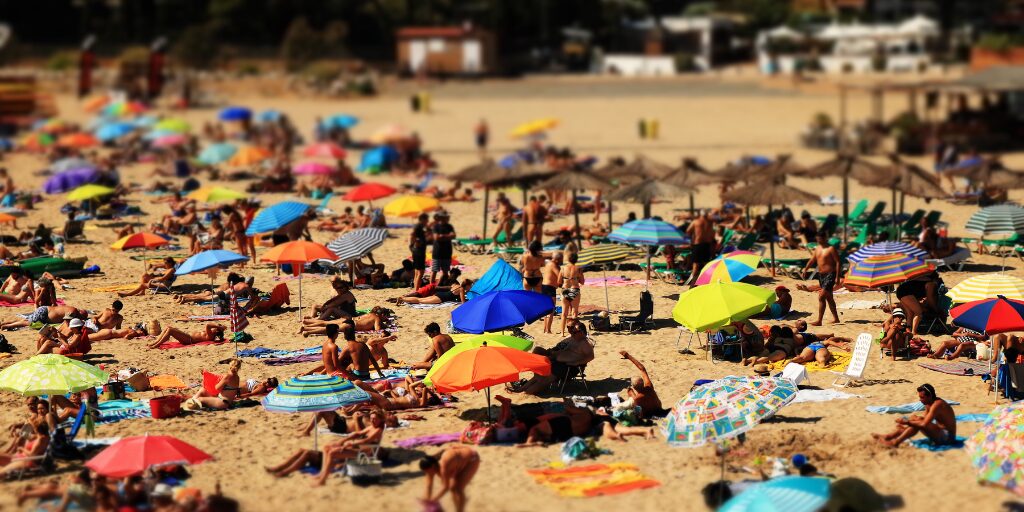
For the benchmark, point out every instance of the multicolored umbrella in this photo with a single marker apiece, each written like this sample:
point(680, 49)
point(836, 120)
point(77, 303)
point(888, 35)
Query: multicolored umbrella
point(499, 310)
point(1001, 219)
point(216, 195)
point(143, 240)
point(217, 153)
point(729, 268)
point(166, 141)
point(990, 316)
point(276, 216)
point(411, 206)
point(997, 448)
point(368, 192)
point(356, 244)
point(88, 192)
point(884, 248)
point(987, 286)
point(725, 408)
point(311, 167)
point(782, 494)
point(314, 393)
point(648, 232)
point(70, 180)
point(134, 455)
point(324, 150)
point(51, 374)
point(606, 253)
point(209, 259)
point(487, 365)
point(37, 141)
point(886, 270)
point(464, 342)
point(123, 108)
point(716, 305)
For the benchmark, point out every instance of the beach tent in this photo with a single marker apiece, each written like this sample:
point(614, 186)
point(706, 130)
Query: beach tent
point(378, 159)
point(501, 276)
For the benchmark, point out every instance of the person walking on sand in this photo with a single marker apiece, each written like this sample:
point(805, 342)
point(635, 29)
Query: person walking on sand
point(533, 221)
point(827, 260)
point(571, 279)
point(481, 133)
point(938, 422)
point(702, 233)
point(504, 218)
point(455, 468)
point(418, 248)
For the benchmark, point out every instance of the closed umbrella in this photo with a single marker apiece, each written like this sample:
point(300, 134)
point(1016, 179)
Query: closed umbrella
point(464, 342)
point(411, 206)
point(886, 270)
point(314, 393)
point(51, 374)
point(135, 455)
point(769, 193)
point(987, 286)
point(217, 153)
point(485, 366)
point(297, 254)
point(276, 216)
point(356, 244)
point(728, 268)
point(716, 305)
point(782, 494)
point(884, 248)
point(500, 310)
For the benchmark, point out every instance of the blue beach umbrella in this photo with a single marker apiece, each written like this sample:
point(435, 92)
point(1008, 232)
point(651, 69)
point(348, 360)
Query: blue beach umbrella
point(787, 493)
point(314, 393)
point(276, 216)
point(884, 248)
point(209, 259)
point(217, 153)
point(500, 310)
point(378, 159)
point(145, 121)
point(268, 116)
point(110, 131)
point(343, 121)
point(235, 114)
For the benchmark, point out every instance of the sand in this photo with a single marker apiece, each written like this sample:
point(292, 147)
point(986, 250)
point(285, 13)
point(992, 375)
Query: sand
point(709, 119)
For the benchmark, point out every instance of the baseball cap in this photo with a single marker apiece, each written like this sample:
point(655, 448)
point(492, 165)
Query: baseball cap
point(76, 322)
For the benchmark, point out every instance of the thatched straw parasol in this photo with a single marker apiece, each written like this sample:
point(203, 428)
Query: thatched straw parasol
point(846, 165)
point(768, 193)
point(647, 191)
point(690, 175)
point(574, 181)
point(484, 172)
point(907, 179)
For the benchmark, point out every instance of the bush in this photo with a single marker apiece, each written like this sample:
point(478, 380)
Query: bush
point(301, 45)
point(1000, 42)
point(685, 62)
point(322, 72)
point(197, 47)
point(62, 60)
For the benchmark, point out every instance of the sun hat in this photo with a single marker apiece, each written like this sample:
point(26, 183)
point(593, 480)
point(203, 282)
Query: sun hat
point(76, 323)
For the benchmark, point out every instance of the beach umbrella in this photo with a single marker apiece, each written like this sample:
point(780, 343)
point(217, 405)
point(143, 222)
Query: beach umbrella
point(651, 232)
point(1001, 219)
point(769, 193)
point(276, 216)
point(990, 316)
point(209, 259)
point(70, 180)
point(67, 164)
point(648, 191)
point(95, 103)
point(172, 124)
point(296, 254)
point(715, 305)
point(534, 128)
point(574, 181)
point(324, 150)
point(728, 268)
point(885, 270)
point(313, 167)
point(342, 121)
point(464, 342)
point(235, 114)
point(53, 126)
point(482, 172)
point(368, 192)
point(356, 244)
point(997, 448)
point(269, 116)
point(114, 130)
point(846, 166)
point(500, 310)
point(89, 192)
point(883, 248)
point(690, 175)
point(606, 253)
point(987, 286)
point(37, 141)
point(166, 141)
point(145, 121)
point(907, 179)
point(411, 206)
point(378, 159)
point(217, 153)
point(153, 135)
point(142, 240)
point(782, 494)
point(134, 455)
point(216, 195)
point(78, 140)
point(485, 366)
point(123, 109)
point(389, 133)
point(314, 393)
point(50, 374)
point(247, 156)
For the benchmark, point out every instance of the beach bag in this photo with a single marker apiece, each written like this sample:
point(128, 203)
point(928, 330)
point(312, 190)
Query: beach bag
point(114, 390)
point(364, 470)
point(477, 433)
point(601, 323)
point(919, 347)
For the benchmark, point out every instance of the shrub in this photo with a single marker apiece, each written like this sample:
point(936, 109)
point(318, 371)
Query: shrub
point(301, 45)
point(685, 62)
point(62, 60)
point(197, 47)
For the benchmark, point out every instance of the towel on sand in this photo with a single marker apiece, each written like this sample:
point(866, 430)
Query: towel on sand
point(442, 305)
point(60, 302)
point(821, 395)
point(113, 411)
point(159, 382)
point(972, 417)
point(593, 480)
point(926, 444)
point(862, 304)
point(429, 440)
point(172, 343)
point(840, 360)
point(901, 409)
point(114, 288)
point(205, 318)
point(969, 367)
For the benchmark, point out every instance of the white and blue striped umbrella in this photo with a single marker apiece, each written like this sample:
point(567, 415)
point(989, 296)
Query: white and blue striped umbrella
point(314, 393)
point(783, 494)
point(356, 244)
point(648, 232)
point(885, 248)
point(1001, 219)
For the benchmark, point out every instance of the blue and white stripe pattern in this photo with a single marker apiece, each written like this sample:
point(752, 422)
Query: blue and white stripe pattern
point(314, 393)
point(276, 216)
point(884, 248)
point(648, 232)
point(356, 244)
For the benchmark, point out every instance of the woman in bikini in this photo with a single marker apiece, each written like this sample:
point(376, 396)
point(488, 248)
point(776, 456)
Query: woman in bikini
point(26, 457)
point(376, 320)
point(571, 280)
point(530, 265)
point(345, 422)
point(228, 390)
point(213, 332)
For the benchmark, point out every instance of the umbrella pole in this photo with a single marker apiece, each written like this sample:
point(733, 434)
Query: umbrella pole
point(576, 214)
point(647, 209)
point(648, 273)
point(609, 215)
point(607, 303)
point(483, 231)
point(846, 201)
point(316, 433)
point(300, 295)
point(691, 205)
point(894, 215)
point(487, 392)
point(771, 240)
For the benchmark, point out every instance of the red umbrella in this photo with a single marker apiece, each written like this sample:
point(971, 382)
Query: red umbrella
point(133, 455)
point(324, 150)
point(368, 192)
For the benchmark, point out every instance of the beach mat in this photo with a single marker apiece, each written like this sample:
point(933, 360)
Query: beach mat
point(901, 409)
point(593, 480)
point(613, 282)
point(113, 411)
point(840, 360)
point(926, 444)
point(60, 302)
point(969, 368)
point(204, 318)
point(443, 305)
point(175, 344)
point(428, 440)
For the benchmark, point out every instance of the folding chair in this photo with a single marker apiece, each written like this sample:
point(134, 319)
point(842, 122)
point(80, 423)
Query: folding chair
point(859, 361)
point(575, 372)
point(644, 318)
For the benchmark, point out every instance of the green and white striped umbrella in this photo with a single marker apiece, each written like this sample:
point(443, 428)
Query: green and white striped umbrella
point(606, 253)
point(51, 374)
point(1002, 219)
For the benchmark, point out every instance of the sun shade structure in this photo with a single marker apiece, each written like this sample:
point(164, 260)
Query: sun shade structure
point(357, 244)
point(216, 195)
point(134, 455)
point(313, 394)
point(724, 409)
point(51, 374)
point(297, 254)
point(464, 342)
point(846, 166)
point(885, 248)
point(501, 310)
point(276, 216)
point(990, 316)
point(769, 193)
point(997, 448)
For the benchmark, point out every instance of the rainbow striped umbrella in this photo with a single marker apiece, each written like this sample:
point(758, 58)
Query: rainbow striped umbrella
point(648, 232)
point(987, 286)
point(883, 248)
point(886, 270)
point(729, 268)
point(314, 393)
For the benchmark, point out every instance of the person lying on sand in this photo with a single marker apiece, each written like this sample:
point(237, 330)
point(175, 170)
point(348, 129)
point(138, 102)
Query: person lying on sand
point(779, 345)
point(212, 332)
point(437, 294)
point(156, 273)
point(334, 454)
point(43, 314)
point(439, 344)
point(375, 320)
point(963, 339)
point(575, 422)
point(345, 422)
point(234, 282)
point(413, 395)
point(938, 422)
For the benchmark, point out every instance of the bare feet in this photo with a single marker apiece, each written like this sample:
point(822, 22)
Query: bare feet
point(802, 287)
point(816, 323)
point(650, 434)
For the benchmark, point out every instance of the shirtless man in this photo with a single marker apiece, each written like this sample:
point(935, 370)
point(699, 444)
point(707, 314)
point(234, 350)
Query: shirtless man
point(533, 220)
point(455, 468)
point(357, 355)
point(110, 318)
point(439, 344)
point(329, 353)
point(552, 274)
point(235, 227)
point(503, 217)
point(641, 390)
point(938, 422)
point(702, 235)
point(43, 314)
point(17, 288)
point(372, 321)
point(212, 332)
point(530, 266)
point(827, 260)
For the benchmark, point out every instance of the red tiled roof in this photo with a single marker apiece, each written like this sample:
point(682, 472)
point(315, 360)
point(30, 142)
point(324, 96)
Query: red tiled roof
point(432, 32)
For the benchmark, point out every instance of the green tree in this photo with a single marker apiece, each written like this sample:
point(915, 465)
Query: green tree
point(301, 45)
point(197, 47)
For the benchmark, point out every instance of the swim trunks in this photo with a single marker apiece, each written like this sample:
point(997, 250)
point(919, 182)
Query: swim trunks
point(41, 314)
point(548, 290)
point(533, 281)
point(701, 253)
point(816, 346)
point(827, 281)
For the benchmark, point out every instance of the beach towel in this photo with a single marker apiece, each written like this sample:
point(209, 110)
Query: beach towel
point(862, 304)
point(926, 444)
point(972, 417)
point(901, 409)
point(205, 318)
point(968, 367)
point(60, 302)
point(442, 305)
point(161, 382)
point(593, 480)
point(840, 360)
point(501, 276)
point(172, 343)
point(114, 288)
point(428, 440)
point(113, 411)
point(612, 281)
point(286, 360)
point(821, 395)
point(150, 256)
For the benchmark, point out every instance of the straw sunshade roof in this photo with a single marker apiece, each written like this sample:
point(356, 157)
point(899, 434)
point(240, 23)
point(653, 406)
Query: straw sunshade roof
point(781, 167)
point(979, 171)
point(524, 175)
point(574, 180)
point(649, 190)
point(846, 164)
point(486, 170)
point(766, 193)
point(690, 174)
point(641, 168)
point(739, 170)
point(907, 178)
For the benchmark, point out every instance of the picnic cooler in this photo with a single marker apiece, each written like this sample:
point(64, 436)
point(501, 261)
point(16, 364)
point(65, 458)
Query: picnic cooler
point(163, 407)
point(364, 470)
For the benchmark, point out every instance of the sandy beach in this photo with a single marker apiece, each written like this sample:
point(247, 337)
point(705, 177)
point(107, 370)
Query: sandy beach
point(711, 119)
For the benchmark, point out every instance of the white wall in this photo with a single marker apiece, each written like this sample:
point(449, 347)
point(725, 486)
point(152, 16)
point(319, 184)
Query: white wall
point(639, 65)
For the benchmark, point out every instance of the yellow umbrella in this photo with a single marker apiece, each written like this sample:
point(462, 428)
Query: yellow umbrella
point(411, 206)
point(90, 191)
point(248, 155)
point(172, 125)
point(534, 127)
point(216, 195)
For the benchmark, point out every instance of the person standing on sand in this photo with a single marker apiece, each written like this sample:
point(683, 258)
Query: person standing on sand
point(533, 222)
point(504, 218)
point(455, 468)
point(481, 132)
point(418, 248)
point(443, 233)
point(827, 260)
point(530, 267)
point(552, 274)
point(702, 234)
point(938, 422)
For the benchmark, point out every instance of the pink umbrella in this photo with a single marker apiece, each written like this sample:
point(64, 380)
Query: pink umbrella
point(310, 167)
point(176, 139)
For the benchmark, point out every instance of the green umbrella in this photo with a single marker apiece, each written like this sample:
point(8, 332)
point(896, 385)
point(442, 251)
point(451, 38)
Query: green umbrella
point(464, 342)
point(716, 305)
point(51, 374)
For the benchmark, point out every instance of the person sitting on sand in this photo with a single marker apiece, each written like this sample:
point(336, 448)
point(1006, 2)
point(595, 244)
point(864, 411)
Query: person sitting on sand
point(355, 358)
point(365, 441)
point(455, 467)
point(46, 292)
point(329, 364)
point(75, 342)
point(343, 304)
point(919, 295)
point(377, 349)
point(17, 288)
point(440, 294)
point(439, 344)
point(110, 318)
point(29, 455)
point(938, 422)
point(963, 339)
point(212, 332)
point(228, 390)
point(640, 392)
point(783, 303)
point(234, 282)
point(156, 273)
point(570, 353)
point(897, 336)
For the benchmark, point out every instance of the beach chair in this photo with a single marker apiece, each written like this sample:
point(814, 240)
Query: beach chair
point(643, 319)
point(912, 226)
point(855, 371)
point(74, 231)
point(322, 209)
point(672, 275)
point(161, 287)
point(1010, 381)
point(749, 243)
point(856, 212)
point(472, 245)
point(727, 235)
point(796, 373)
point(871, 217)
point(574, 373)
point(723, 341)
point(938, 320)
point(959, 258)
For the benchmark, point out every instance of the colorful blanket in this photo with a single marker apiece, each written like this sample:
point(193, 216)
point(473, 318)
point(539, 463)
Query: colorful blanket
point(840, 360)
point(205, 318)
point(113, 411)
point(175, 344)
point(969, 367)
point(613, 281)
point(428, 440)
point(60, 302)
point(593, 480)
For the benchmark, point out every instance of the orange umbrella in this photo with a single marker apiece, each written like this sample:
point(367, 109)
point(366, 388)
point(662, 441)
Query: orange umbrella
point(78, 140)
point(6, 217)
point(297, 254)
point(95, 103)
point(248, 155)
point(486, 366)
point(136, 240)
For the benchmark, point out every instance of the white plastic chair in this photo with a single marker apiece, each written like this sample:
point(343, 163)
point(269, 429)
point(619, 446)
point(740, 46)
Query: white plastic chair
point(796, 373)
point(859, 361)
